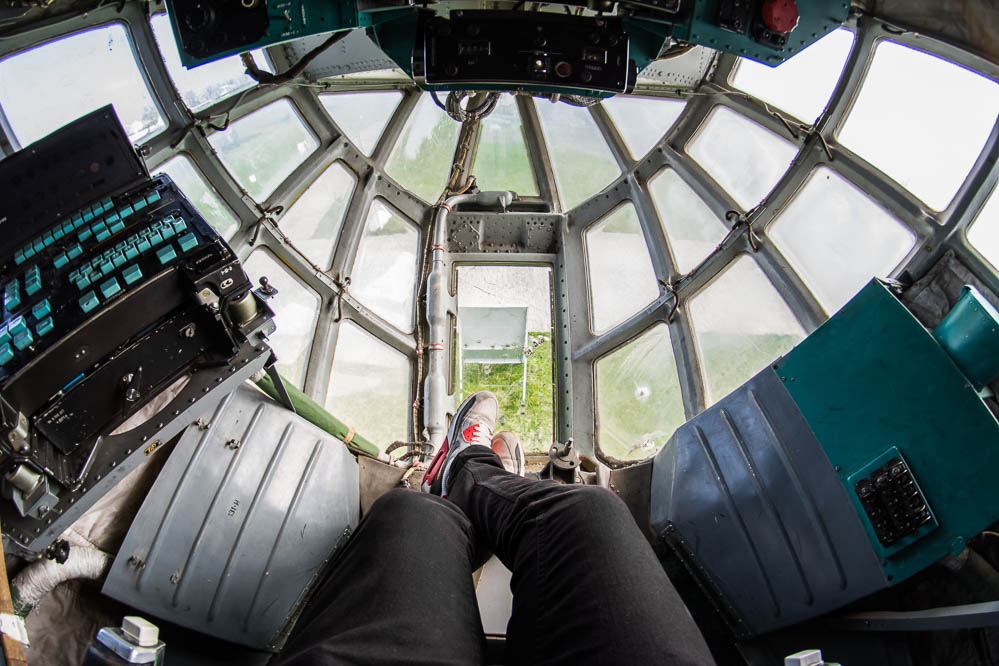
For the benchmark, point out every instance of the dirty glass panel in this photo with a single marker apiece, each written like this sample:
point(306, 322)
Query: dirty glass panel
point(984, 231)
point(740, 325)
point(501, 162)
point(369, 386)
point(745, 158)
point(582, 161)
point(206, 84)
point(421, 159)
point(838, 238)
point(622, 280)
point(505, 346)
point(802, 85)
point(262, 149)
point(638, 397)
point(922, 120)
point(362, 116)
point(313, 221)
point(296, 309)
point(692, 230)
point(384, 273)
point(642, 121)
point(190, 181)
point(50, 85)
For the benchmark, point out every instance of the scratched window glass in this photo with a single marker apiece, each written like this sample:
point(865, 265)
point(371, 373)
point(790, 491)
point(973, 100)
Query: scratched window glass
point(362, 115)
point(313, 220)
point(642, 121)
point(369, 386)
point(421, 159)
point(204, 197)
point(296, 310)
point(48, 86)
point(693, 231)
point(638, 397)
point(262, 149)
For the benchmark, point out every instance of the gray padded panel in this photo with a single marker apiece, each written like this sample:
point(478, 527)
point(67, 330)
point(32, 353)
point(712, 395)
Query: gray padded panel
point(238, 525)
point(746, 493)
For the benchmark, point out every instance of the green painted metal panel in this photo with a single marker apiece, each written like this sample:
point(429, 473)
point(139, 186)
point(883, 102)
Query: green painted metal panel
point(873, 377)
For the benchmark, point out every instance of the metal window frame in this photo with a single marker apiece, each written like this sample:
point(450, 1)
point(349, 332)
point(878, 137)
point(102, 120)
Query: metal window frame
point(576, 348)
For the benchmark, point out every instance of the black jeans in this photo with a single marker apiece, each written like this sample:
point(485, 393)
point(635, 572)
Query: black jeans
point(587, 588)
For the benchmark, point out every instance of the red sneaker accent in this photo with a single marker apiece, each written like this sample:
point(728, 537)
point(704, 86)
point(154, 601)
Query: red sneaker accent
point(437, 463)
point(470, 432)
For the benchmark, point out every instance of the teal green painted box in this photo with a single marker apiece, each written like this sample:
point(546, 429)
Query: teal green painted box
point(871, 378)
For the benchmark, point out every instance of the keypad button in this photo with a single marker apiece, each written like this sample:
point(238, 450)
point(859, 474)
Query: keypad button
point(41, 309)
point(166, 254)
point(88, 301)
point(44, 326)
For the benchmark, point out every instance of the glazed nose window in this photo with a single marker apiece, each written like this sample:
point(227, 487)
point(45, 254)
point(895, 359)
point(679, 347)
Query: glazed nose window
point(927, 141)
point(67, 65)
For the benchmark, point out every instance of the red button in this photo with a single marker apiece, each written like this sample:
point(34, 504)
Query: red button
point(780, 15)
point(563, 69)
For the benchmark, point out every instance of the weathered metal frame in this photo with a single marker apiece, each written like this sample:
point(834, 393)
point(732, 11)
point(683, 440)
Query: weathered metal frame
point(577, 348)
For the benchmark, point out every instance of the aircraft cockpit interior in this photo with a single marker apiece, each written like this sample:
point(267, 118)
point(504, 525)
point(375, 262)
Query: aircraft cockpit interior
point(734, 261)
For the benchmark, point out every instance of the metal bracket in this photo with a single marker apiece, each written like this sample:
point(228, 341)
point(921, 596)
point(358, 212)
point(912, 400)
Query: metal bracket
point(280, 387)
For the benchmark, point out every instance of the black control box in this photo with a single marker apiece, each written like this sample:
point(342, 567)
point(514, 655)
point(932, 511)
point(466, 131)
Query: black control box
point(528, 48)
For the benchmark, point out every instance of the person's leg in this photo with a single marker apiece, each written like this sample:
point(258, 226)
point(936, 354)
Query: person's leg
point(587, 587)
point(399, 592)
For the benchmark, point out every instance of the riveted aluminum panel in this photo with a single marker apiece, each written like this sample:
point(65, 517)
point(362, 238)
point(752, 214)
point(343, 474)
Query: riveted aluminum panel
point(241, 521)
point(747, 496)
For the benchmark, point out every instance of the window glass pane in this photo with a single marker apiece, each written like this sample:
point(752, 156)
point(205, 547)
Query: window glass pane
point(745, 158)
point(296, 309)
point(421, 160)
point(583, 163)
point(984, 232)
point(194, 186)
point(802, 85)
point(837, 238)
point(362, 116)
point(505, 334)
point(921, 120)
point(740, 324)
point(313, 221)
point(205, 84)
point(384, 273)
point(369, 386)
point(501, 162)
point(692, 230)
point(622, 280)
point(641, 121)
point(638, 397)
point(262, 149)
point(50, 85)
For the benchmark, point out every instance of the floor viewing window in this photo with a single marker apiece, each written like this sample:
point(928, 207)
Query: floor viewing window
point(296, 309)
point(194, 186)
point(262, 149)
point(384, 274)
point(369, 386)
point(206, 84)
point(583, 163)
point(505, 346)
point(745, 158)
point(421, 159)
point(692, 230)
point(501, 161)
point(313, 220)
point(802, 85)
point(921, 120)
point(362, 116)
point(837, 238)
point(984, 231)
point(741, 324)
point(638, 397)
point(618, 268)
point(50, 85)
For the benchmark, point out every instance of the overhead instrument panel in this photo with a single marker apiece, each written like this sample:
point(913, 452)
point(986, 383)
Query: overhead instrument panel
point(594, 48)
point(114, 290)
